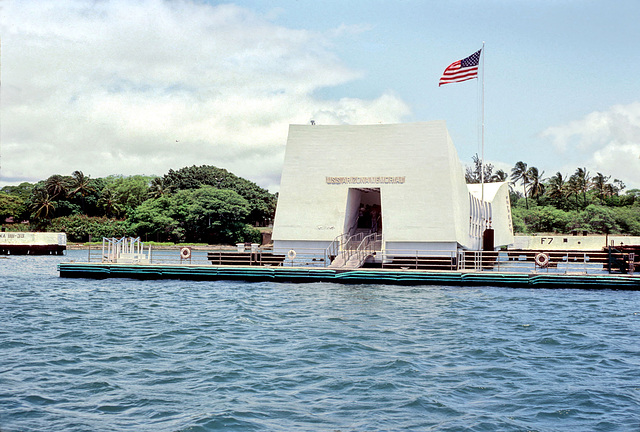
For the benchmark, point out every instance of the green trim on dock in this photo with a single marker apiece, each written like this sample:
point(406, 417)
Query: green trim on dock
point(302, 274)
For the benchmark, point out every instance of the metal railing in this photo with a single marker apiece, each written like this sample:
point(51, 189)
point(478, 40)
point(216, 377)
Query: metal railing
point(516, 261)
point(124, 250)
point(411, 259)
point(367, 247)
point(336, 246)
point(347, 248)
point(561, 261)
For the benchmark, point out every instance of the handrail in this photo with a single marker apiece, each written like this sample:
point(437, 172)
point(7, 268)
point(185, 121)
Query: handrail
point(367, 247)
point(354, 240)
point(125, 249)
point(335, 247)
point(346, 249)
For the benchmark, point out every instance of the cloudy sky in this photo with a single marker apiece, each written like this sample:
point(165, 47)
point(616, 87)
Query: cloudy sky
point(139, 87)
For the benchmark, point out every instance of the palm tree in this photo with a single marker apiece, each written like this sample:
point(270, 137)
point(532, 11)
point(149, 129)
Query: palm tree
point(582, 182)
point(81, 184)
point(617, 186)
point(557, 188)
point(537, 187)
point(109, 203)
point(499, 176)
point(519, 174)
point(159, 187)
point(573, 188)
point(599, 184)
point(56, 185)
point(42, 205)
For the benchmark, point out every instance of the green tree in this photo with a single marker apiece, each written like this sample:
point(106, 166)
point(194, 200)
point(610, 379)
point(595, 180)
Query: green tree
point(599, 185)
point(81, 227)
point(206, 214)
point(11, 207)
point(23, 190)
point(518, 220)
point(631, 197)
point(544, 219)
point(127, 193)
point(573, 189)
point(628, 219)
point(557, 190)
point(261, 203)
point(108, 203)
point(600, 219)
point(500, 176)
point(580, 183)
point(519, 173)
point(154, 218)
point(42, 206)
point(473, 175)
point(81, 186)
point(214, 215)
point(612, 192)
point(536, 187)
point(159, 187)
point(57, 186)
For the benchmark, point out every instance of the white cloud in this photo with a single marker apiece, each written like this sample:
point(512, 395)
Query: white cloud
point(606, 142)
point(138, 87)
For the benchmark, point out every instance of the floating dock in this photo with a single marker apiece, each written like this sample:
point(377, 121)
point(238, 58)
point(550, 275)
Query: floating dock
point(356, 276)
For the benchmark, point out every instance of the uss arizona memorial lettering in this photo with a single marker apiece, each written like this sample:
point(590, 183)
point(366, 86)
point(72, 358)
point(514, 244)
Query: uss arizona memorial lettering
point(365, 180)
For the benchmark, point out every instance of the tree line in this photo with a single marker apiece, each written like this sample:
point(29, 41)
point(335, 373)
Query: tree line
point(198, 204)
point(564, 203)
point(206, 204)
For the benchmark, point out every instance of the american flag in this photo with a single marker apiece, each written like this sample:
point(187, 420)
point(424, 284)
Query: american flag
point(462, 70)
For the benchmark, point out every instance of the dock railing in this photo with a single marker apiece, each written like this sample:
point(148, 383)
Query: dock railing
point(127, 250)
point(557, 261)
point(517, 261)
point(411, 259)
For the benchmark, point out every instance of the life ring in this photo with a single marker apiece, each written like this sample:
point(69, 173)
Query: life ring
point(291, 254)
point(542, 260)
point(185, 253)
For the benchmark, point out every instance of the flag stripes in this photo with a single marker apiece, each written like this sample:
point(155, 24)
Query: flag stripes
point(462, 70)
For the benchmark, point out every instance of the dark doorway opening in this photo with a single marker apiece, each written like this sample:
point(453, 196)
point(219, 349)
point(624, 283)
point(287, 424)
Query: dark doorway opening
point(364, 211)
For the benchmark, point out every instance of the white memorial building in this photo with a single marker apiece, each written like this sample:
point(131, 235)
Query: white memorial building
point(401, 181)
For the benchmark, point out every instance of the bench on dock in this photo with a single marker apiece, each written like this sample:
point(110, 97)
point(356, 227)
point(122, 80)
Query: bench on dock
point(245, 258)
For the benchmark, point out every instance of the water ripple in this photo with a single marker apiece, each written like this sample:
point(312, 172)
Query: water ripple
point(124, 355)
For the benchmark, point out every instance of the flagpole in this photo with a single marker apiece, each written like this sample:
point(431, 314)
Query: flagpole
point(482, 155)
point(463, 70)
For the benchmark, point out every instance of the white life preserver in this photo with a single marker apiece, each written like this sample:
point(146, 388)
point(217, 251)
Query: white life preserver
point(185, 253)
point(291, 254)
point(542, 260)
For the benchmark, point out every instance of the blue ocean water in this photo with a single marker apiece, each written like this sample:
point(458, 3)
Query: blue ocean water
point(125, 355)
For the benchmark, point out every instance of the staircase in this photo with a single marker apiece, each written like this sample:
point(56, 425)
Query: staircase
point(354, 251)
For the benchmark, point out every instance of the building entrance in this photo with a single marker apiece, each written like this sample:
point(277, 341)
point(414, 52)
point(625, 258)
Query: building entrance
point(364, 211)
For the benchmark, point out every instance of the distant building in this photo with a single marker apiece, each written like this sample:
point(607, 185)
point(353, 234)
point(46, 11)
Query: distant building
point(32, 243)
point(403, 181)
